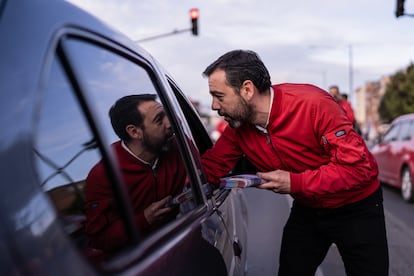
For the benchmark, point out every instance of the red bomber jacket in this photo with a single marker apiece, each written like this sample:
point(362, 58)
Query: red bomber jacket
point(308, 135)
point(144, 185)
point(348, 110)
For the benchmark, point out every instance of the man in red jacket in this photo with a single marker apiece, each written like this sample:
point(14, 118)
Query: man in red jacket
point(334, 91)
point(151, 167)
point(342, 100)
point(302, 144)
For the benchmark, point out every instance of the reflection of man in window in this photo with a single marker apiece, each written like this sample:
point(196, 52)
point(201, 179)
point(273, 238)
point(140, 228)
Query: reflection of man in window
point(151, 168)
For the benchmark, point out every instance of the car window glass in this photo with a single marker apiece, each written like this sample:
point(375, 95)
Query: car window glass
point(411, 129)
point(404, 134)
point(109, 76)
point(201, 141)
point(391, 134)
point(70, 164)
point(193, 119)
point(65, 150)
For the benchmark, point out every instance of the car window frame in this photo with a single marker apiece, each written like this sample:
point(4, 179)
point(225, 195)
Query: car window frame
point(411, 129)
point(109, 160)
point(140, 247)
point(394, 130)
point(404, 131)
point(199, 132)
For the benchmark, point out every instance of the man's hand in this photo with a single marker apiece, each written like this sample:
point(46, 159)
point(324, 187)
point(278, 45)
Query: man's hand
point(277, 181)
point(157, 211)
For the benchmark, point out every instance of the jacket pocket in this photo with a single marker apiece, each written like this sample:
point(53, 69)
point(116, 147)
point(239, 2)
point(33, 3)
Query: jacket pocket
point(344, 147)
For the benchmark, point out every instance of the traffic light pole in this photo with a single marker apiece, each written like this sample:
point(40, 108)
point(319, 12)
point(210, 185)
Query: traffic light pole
point(194, 14)
point(174, 32)
point(407, 14)
point(400, 9)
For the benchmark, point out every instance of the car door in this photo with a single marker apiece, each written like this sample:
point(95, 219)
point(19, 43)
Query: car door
point(87, 75)
point(62, 73)
point(385, 154)
point(400, 149)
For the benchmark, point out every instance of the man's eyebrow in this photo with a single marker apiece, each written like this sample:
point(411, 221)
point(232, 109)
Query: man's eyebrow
point(216, 93)
point(160, 115)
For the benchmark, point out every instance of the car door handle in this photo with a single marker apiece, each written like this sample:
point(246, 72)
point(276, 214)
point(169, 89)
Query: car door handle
point(237, 248)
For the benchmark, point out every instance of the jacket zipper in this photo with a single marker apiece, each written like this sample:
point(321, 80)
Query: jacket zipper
point(154, 172)
point(275, 150)
point(267, 138)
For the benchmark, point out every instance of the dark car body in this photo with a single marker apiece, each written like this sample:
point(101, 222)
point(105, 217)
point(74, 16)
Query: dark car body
point(394, 153)
point(61, 69)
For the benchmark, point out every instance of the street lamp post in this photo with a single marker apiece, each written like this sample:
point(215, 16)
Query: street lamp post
point(351, 72)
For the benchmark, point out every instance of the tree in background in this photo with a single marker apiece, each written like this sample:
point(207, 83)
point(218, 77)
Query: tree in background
point(399, 95)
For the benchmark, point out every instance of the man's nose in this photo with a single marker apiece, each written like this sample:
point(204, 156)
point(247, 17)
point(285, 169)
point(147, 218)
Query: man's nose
point(215, 105)
point(167, 123)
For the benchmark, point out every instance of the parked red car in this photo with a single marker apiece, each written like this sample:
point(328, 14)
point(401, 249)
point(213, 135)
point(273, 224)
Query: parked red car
point(395, 156)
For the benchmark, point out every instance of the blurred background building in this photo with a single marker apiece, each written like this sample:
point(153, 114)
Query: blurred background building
point(368, 98)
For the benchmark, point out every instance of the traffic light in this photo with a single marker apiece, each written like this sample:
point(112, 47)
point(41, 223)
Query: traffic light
point(400, 8)
point(194, 18)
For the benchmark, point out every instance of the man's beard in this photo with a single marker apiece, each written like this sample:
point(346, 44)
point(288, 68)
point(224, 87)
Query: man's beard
point(243, 114)
point(156, 146)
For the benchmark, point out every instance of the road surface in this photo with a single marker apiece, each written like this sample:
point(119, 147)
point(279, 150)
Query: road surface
point(268, 213)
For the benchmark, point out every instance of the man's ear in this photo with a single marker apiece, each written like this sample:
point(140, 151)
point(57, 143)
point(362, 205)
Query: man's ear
point(247, 90)
point(134, 132)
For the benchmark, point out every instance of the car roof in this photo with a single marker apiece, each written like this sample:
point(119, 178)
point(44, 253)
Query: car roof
point(30, 29)
point(404, 117)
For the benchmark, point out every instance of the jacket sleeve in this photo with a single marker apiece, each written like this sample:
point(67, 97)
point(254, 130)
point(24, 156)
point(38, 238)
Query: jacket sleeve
point(104, 225)
point(350, 167)
point(222, 157)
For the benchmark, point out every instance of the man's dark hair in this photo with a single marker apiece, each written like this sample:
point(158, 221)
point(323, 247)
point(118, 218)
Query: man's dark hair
point(241, 65)
point(125, 112)
point(334, 87)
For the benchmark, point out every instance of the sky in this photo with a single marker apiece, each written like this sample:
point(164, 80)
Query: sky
point(303, 41)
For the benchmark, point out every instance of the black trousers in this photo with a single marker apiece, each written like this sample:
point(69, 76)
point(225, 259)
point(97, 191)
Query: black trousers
point(358, 230)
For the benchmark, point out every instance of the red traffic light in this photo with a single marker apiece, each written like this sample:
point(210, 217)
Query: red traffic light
point(194, 18)
point(194, 13)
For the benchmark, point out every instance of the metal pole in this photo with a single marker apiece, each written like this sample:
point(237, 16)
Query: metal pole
point(163, 35)
point(351, 73)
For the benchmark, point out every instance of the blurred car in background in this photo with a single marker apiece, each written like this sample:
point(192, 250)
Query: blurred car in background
point(218, 129)
point(61, 70)
point(394, 153)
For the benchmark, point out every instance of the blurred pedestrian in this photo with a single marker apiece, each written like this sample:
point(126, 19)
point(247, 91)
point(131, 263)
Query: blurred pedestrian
point(342, 100)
